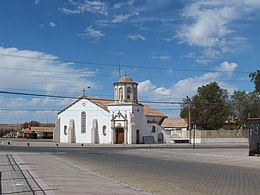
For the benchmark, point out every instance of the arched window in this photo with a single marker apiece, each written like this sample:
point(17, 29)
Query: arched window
point(120, 93)
point(153, 129)
point(104, 130)
point(128, 93)
point(83, 122)
point(65, 129)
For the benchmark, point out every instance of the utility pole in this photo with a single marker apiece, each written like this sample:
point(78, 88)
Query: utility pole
point(189, 118)
point(119, 70)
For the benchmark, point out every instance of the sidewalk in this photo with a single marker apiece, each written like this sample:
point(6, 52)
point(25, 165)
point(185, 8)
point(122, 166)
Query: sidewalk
point(24, 174)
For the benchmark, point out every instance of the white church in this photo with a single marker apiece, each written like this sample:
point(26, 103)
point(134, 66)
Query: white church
point(119, 121)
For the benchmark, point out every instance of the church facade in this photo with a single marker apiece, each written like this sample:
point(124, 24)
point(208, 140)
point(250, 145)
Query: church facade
point(119, 121)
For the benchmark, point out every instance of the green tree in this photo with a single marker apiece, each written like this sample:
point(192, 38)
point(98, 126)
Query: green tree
point(240, 107)
point(209, 107)
point(255, 77)
point(33, 123)
point(244, 105)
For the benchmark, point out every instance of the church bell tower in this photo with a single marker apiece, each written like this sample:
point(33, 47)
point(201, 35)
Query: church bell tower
point(125, 90)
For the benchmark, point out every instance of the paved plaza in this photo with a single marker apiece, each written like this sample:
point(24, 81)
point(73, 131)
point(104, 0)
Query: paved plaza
point(45, 168)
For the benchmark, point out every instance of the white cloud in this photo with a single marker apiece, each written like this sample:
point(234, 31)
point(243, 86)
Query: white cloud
point(34, 70)
point(39, 73)
point(145, 87)
point(125, 3)
point(52, 24)
point(136, 37)
point(187, 86)
point(120, 18)
point(208, 24)
point(228, 68)
point(90, 32)
point(95, 6)
point(162, 57)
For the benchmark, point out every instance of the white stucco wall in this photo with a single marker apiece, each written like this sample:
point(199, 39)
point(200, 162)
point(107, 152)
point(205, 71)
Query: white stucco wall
point(137, 124)
point(92, 112)
point(97, 117)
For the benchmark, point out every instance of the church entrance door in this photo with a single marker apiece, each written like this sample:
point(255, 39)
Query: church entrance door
point(119, 136)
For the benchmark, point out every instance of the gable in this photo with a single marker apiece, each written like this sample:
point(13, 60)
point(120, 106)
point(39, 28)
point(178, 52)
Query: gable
point(102, 103)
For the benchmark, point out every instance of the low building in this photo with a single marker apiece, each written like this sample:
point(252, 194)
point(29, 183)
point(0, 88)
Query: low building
point(36, 133)
point(177, 128)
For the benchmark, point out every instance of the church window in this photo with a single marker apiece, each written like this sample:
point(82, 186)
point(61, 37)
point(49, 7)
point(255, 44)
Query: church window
point(153, 129)
point(104, 130)
point(65, 129)
point(128, 92)
point(120, 93)
point(83, 122)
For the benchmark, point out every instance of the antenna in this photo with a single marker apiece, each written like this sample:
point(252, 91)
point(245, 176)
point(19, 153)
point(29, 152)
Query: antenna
point(119, 70)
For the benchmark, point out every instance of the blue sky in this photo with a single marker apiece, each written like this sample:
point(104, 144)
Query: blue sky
point(170, 47)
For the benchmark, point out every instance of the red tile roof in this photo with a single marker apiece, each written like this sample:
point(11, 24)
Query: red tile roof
point(149, 111)
point(103, 103)
point(174, 123)
point(39, 129)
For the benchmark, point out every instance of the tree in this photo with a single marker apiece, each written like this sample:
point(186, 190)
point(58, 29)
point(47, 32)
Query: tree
point(33, 123)
point(240, 107)
point(209, 107)
point(255, 77)
point(244, 105)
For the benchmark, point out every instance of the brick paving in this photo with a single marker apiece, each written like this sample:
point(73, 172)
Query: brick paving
point(172, 175)
point(45, 174)
point(131, 170)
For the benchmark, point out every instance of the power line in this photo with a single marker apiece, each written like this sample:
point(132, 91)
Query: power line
point(91, 98)
point(122, 65)
point(70, 97)
point(91, 74)
point(38, 95)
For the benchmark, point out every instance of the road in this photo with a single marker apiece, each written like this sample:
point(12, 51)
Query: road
point(159, 170)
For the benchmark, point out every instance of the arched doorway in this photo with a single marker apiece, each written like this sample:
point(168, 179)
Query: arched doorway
point(160, 138)
point(138, 136)
point(119, 136)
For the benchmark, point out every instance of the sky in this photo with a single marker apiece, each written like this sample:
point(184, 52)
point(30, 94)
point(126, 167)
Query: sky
point(169, 47)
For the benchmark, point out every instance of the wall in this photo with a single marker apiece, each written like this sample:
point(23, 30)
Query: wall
point(223, 133)
point(206, 136)
point(92, 112)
